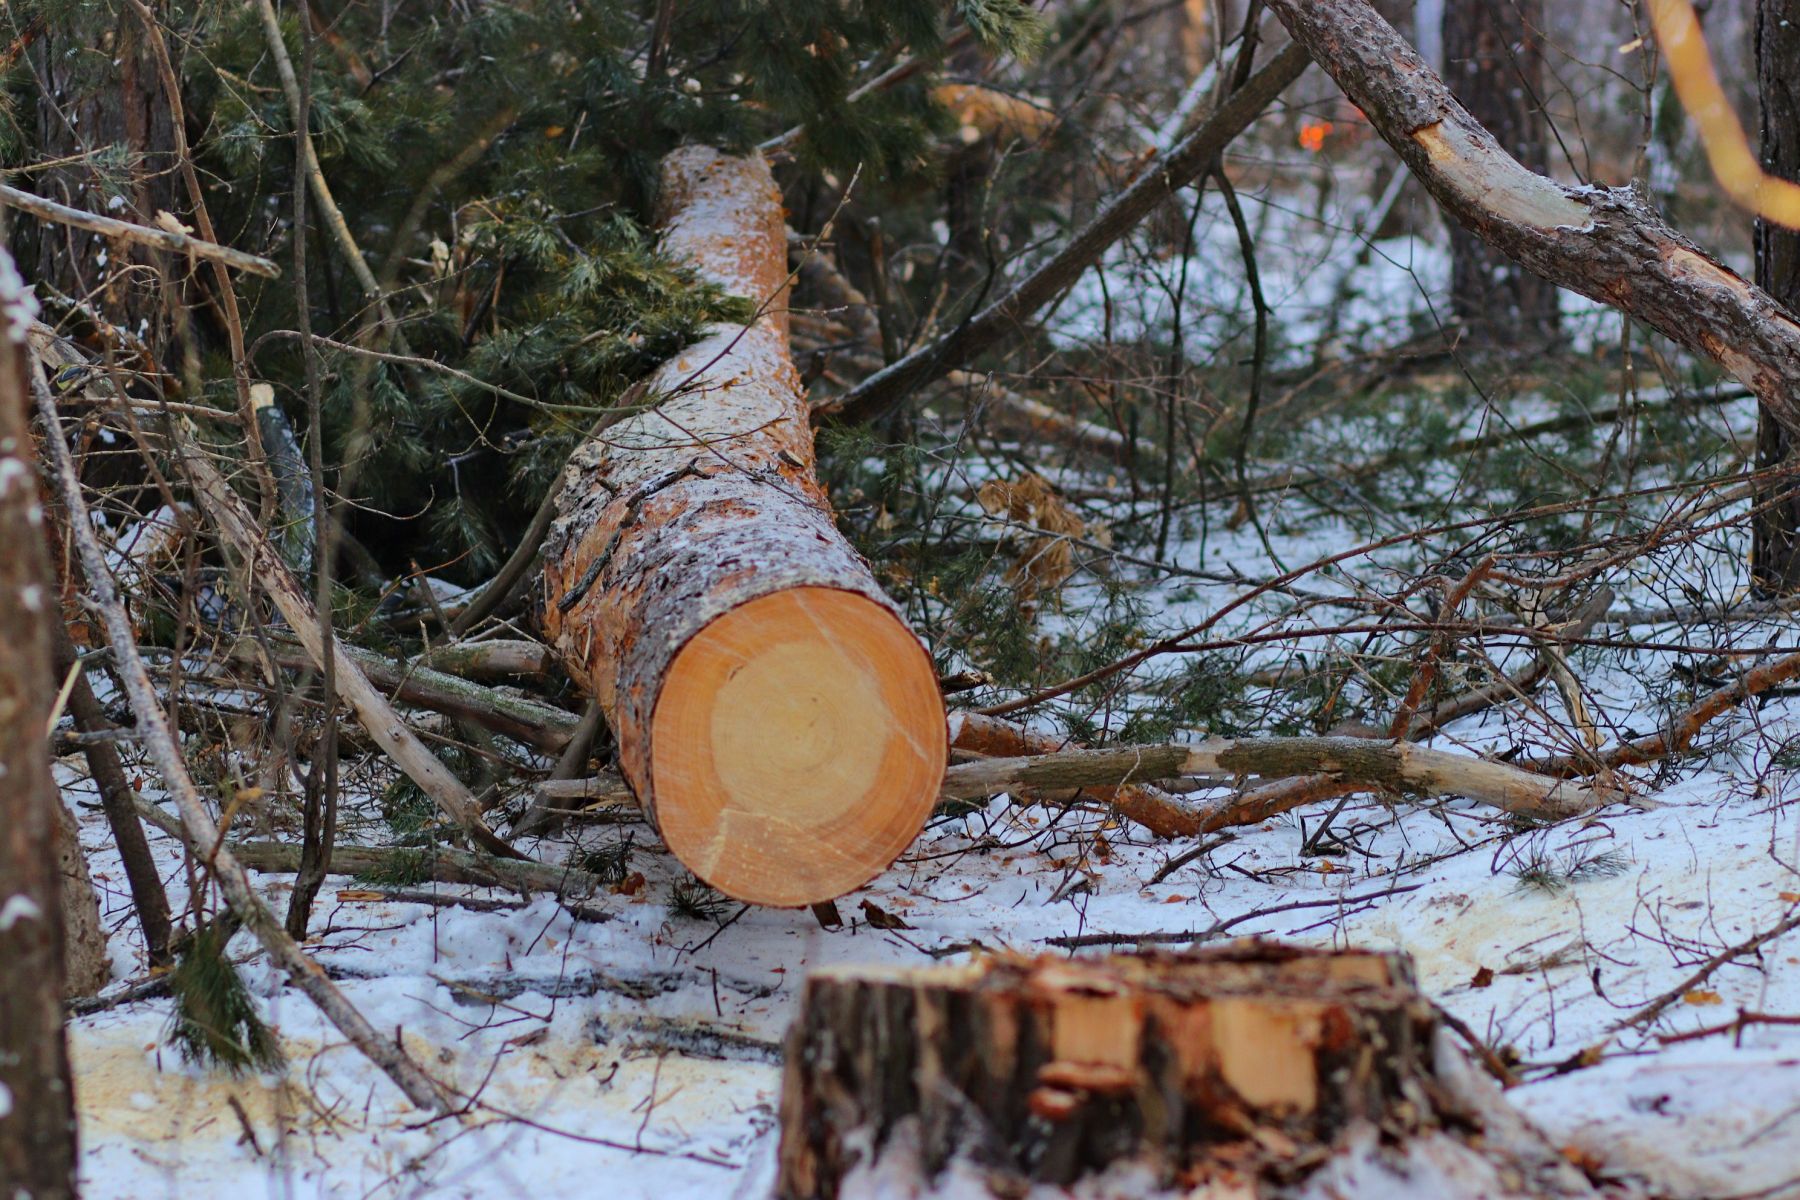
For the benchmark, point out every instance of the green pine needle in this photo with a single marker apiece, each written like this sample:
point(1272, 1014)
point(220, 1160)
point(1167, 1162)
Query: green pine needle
point(215, 1021)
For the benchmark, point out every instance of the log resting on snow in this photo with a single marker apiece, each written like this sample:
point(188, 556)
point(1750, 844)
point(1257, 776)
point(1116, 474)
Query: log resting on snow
point(1375, 765)
point(777, 719)
point(1605, 243)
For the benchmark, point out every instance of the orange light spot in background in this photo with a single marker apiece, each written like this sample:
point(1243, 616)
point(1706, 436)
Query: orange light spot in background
point(1312, 135)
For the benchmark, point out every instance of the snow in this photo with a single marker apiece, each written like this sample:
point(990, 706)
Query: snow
point(642, 1050)
point(640, 1056)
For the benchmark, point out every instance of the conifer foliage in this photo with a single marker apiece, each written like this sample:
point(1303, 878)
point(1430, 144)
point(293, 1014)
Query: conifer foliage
point(496, 164)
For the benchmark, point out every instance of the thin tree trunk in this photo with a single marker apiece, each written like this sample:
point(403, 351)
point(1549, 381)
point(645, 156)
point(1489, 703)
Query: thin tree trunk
point(1494, 62)
point(1605, 243)
point(99, 103)
point(778, 721)
point(37, 1112)
point(1775, 559)
point(148, 896)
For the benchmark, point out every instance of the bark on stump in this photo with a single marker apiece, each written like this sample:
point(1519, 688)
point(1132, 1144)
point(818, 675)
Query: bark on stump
point(777, 719)
point(1246, 1065)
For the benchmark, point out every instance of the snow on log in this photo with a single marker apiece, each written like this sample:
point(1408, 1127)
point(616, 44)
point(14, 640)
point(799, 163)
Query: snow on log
point(1238, 1071)
point(777, 719)
point(1605, 243)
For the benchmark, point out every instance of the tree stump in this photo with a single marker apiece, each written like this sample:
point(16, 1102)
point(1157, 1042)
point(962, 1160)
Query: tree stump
point(778, 721)
point(1249, 1065)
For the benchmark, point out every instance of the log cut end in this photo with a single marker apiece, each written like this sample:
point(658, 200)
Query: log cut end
point(797, 746)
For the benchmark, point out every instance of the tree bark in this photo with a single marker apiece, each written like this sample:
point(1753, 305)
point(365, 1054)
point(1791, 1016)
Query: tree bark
point(777, 719)
point(86, 968)
point(1775, 557)
point(37, 1113)
point(1494, 62)
point(1605, 243)
point(1243, 1066)
point(99, 99)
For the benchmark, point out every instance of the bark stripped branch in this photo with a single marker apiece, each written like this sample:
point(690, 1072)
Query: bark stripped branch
point(143, 235)
point(1368, 764)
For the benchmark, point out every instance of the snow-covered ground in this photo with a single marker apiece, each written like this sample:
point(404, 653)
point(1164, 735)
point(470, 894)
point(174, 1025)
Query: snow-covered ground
point(639, 1057)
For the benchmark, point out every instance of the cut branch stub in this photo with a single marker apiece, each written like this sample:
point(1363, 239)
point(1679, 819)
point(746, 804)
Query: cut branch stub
point(1247, 1058)
point(777, 719)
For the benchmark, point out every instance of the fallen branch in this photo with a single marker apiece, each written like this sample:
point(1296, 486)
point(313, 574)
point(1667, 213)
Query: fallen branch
point(580, 913)
point(1162, 814)
point(1079, 941)
point(1604, 243)
point(264, 565)
point(544, 727)
point(143, 235)
point(440, 864)
point(1683, 729)
point(885, 390)
point(1355, 762)
point(497, 659)
point(1644, 1015)
point(1454, 708)
point(197, 829)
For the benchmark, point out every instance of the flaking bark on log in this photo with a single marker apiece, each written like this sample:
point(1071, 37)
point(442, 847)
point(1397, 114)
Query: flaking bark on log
point(778, 721)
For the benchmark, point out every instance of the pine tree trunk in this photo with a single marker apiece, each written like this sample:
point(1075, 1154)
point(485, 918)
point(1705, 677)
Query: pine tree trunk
point(1775, 559)
point(37, 1116)
point(777, 719)
point(1250, 1064)
point(1494, 63)
point(103, 108)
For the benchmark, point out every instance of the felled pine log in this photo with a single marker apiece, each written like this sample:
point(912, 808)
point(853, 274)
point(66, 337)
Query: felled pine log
point(1238, 1072)
point(779, 722)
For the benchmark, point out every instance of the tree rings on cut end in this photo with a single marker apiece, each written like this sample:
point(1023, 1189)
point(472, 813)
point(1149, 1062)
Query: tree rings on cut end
point(797, 746)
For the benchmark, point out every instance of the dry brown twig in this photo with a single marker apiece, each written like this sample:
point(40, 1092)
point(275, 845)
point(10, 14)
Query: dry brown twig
point(143, 235)
point(198, 830)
